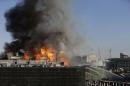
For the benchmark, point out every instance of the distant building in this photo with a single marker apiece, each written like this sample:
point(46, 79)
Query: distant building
point(119, 65)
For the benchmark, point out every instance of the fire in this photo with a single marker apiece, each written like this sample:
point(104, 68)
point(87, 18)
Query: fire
point(64, 59)
point(49, 53)
point(26, 56)
point(43, 51)
point(38, 57)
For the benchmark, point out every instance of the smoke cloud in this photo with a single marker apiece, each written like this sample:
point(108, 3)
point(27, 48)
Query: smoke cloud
point(37, 23)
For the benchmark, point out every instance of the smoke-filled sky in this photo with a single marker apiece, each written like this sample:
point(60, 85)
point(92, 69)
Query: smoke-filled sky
point(103, 23)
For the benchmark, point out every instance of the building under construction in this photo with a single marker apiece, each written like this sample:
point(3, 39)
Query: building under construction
point(120, 66)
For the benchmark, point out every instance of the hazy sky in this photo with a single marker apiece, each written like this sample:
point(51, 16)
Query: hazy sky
point(105, 24)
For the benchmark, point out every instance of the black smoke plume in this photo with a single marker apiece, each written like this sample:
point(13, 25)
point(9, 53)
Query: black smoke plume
point(35, 23)
point(21, 20)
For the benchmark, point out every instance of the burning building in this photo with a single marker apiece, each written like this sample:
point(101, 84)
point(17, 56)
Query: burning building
point(42, 33)
point(40, 28)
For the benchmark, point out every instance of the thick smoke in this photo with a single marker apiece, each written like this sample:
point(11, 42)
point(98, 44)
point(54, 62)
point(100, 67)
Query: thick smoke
point(21, 20)
point(37, 23)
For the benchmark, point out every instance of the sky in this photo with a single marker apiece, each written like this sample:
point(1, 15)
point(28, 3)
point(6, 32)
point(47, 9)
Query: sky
point(5, 5)
point(103, 23)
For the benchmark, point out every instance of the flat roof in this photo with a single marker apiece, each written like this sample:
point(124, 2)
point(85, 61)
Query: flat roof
point(119, 59)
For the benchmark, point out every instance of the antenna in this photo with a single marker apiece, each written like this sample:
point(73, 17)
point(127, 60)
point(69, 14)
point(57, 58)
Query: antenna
point(110, 53)
point(99, 53)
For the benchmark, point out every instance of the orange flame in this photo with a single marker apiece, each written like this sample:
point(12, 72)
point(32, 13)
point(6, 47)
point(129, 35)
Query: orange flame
point(37, 57)
point(26, 56)
point(49, 53)
point(64, 59)
point(43, 51)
